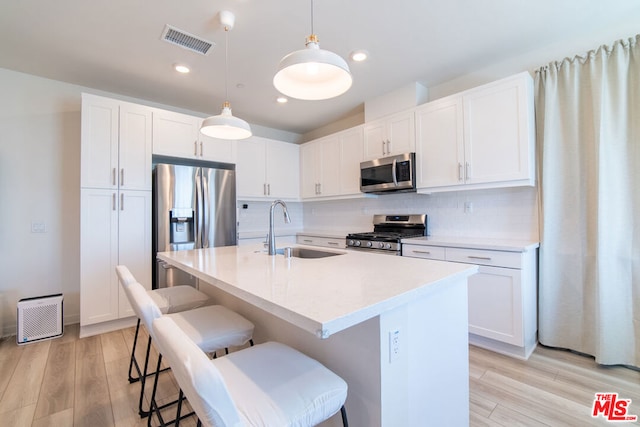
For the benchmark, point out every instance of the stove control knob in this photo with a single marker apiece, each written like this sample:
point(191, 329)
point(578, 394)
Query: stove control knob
point(357, 243)
point(351, 243)
point(369, 244)
point(381, 245)
point(387, 246)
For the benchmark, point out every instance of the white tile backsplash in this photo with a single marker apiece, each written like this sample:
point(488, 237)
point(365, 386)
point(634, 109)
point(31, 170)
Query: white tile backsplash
point(254, 220)
point(510, 213)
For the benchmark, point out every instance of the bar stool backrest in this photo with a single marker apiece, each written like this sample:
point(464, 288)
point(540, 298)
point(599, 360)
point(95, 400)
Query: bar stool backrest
point(197, 376)
point(124, 275)
point(144, 307)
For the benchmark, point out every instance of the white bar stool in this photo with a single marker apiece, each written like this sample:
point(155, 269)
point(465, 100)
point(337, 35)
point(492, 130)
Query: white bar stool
point(211, 328)
point(169, 300)
point(265, 385)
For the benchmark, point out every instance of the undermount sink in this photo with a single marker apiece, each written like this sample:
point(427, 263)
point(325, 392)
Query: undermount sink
point(308, 253)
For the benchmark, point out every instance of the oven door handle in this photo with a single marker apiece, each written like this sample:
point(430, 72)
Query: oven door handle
point(393, 172)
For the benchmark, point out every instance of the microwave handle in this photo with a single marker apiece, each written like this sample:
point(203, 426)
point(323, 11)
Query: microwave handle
point(393, 172)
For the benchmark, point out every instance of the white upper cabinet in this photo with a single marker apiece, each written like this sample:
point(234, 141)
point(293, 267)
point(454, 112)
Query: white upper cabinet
point(440, 143)
point(267, 169)
point(319, 167)
point(351, 150)
point(499, 131)
point(178, 135)
point(481, 138)
point(116, 144)
point(391, 135)
point(330, 166)
point(175, 134)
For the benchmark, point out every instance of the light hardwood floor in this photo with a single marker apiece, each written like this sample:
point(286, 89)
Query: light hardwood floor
point(82, 382)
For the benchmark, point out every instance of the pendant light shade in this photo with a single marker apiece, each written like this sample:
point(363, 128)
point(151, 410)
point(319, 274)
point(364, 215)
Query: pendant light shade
point(313, 73)
point(225, 125)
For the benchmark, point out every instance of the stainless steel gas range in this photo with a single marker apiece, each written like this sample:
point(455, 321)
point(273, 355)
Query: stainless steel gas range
point(388, 231)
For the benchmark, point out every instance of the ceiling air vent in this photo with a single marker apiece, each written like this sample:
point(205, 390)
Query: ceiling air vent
point(186, 40)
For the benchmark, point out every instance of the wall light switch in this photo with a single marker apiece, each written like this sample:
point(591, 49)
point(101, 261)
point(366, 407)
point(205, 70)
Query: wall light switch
point(38, 227)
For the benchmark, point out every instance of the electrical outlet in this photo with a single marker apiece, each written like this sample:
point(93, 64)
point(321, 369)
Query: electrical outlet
point(394, 345)
point(468, 207)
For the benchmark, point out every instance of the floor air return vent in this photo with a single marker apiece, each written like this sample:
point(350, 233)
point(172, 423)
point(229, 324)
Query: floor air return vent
point(39, 318)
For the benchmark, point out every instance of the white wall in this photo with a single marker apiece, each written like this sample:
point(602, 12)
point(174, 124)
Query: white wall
point(497, 213)
point(39, 181)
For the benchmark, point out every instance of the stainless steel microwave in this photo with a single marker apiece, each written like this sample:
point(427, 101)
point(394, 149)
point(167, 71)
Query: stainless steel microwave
point(389, 174)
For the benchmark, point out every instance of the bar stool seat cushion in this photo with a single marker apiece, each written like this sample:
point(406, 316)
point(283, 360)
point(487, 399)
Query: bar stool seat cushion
point(178, 298)
point(214, 327)
point(275, 385)
point(265, 385)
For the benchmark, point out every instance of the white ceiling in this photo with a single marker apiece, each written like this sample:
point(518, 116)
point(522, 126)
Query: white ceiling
point(115, 46)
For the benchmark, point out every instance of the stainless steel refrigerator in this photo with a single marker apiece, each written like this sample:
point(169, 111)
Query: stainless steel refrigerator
point(194, 206)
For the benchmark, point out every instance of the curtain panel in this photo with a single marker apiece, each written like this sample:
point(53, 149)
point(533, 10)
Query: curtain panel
point(588, 129)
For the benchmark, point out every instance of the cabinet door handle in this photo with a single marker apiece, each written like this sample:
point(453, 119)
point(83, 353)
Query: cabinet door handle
point(383, 147)
point(121, 201)
point(201, 151)
point(459, 171)
point(113, 201)
point(484, 258)
point(113, 176)
point(319, 188)
point(467, 170)
point(333, 243)
point(264, 189)
point(388, 147)
point(307, 241)
point(122, 177)
point(268, 189)
point(195, 148)
point(421, 252)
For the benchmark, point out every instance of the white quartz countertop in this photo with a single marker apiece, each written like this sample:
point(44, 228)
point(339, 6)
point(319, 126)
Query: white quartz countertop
point(323, 295)
point(475, 243)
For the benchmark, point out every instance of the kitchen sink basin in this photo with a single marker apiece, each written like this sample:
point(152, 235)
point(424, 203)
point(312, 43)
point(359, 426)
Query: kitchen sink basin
point(308, 253)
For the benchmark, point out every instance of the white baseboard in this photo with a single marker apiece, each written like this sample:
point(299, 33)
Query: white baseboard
point(101, 328)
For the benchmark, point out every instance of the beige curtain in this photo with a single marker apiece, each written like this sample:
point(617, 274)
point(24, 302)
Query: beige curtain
point(588, 124)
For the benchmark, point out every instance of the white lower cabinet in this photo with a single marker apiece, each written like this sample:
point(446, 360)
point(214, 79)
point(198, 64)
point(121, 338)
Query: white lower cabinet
point(115, 228)
point(502, 296)
point(327, 242)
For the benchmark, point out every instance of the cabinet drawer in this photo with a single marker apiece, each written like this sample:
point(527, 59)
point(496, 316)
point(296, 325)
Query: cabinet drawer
point(485, 257)
point(326, 242)
point(426, 252)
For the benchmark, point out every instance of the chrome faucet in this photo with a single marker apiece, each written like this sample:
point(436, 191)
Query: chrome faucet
point(271, 238)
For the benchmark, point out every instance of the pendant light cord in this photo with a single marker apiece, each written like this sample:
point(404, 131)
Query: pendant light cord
point(226, 63)
point(312, 17)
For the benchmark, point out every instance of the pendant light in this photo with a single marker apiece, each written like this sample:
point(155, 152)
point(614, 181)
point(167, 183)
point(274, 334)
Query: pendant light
point(312, 73)
point(225, 125)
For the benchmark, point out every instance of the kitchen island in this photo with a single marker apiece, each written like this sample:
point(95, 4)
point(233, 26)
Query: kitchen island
point(394, 328)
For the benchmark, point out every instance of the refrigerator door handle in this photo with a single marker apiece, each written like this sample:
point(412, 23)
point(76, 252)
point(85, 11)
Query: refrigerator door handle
point(199, 210)
point(206, 208)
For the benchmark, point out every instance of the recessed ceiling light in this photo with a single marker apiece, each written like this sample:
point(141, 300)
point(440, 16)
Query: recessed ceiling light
point(181, 68)
point(359, 55)
point(282, 100)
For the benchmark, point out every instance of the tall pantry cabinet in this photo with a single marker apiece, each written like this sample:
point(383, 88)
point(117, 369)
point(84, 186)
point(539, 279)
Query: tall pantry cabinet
point(115, 198)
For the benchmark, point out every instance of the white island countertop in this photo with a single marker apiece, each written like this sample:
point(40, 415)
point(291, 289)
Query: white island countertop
point(323, 295)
